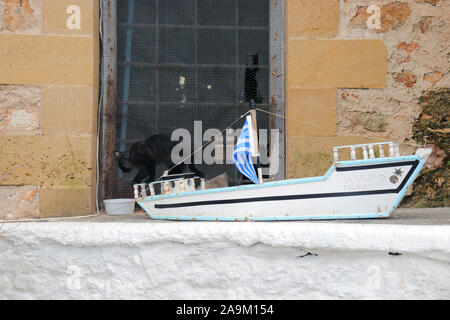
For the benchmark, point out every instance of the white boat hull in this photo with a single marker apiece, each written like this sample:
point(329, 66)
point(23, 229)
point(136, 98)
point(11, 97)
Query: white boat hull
point(370, 188)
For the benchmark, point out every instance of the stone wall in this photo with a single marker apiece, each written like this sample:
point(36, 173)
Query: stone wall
point(417, 36)
point(347, 83)
point(319, 63)
point(48, 107)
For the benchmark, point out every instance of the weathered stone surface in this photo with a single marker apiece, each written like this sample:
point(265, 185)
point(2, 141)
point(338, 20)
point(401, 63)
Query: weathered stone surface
point(313, 156)
point(20, 110)
point(418, 57)
point(312, 18)
point(69, 110)
point(432, 77)
point(381, 107)
point(41, 60)
point(47, 161)
point(56, 17)
point(393, 15)
point(19, 202)
point(312, 112)
point(371, 121)
point(405, 77)
point(408, 47)
point(20, 122)
point(424, 24)
point(20, 15)
point(66, 201)
point(336, 63)
point(432, 2)
point(21, 97)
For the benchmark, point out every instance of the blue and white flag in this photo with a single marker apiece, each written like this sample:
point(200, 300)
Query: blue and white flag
point(242, 154)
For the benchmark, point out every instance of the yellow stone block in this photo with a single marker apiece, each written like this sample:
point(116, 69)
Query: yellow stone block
point(312, 18)
point(70, 17)
point(313, 156)
point(336, 63)
point(311, 112)
point(47, 161)
point(46, 60)
point(66, 201)
point(69, 110)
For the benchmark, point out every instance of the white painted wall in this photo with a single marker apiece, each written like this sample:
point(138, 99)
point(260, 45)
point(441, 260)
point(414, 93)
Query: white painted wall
point(202, 260)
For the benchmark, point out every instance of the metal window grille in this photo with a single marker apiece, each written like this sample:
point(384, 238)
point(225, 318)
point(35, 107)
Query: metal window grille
point(168, 63)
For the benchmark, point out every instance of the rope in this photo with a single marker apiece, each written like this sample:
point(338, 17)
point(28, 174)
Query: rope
point(209, 142)
point(271, 113)
point(5, 221)
point(206, 144)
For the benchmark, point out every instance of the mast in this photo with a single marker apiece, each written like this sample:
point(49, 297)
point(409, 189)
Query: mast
point(255, 140)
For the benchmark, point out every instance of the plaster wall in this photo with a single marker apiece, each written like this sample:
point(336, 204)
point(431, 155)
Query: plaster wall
point(176, 260)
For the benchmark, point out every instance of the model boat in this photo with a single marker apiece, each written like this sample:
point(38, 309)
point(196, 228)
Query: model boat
point(369, 187)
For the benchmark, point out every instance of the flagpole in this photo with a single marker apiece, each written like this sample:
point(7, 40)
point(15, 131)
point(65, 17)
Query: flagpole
point(255, 140)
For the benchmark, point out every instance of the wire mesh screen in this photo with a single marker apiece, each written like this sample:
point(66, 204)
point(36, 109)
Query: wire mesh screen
point(180, 61)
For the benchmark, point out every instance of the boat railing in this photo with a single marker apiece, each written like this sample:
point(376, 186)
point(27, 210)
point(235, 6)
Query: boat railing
point(143, 190)
point(368, 150)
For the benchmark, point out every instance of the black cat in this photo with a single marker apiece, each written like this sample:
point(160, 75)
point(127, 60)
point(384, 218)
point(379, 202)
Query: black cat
point(144, 155)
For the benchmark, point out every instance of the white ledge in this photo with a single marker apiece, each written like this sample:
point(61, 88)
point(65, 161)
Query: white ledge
point(424, 231)
point(133, 257)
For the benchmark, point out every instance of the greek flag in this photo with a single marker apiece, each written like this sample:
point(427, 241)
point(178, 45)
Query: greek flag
point(242, 154)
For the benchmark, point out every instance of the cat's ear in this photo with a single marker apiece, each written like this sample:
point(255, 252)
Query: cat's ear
point(117, 154)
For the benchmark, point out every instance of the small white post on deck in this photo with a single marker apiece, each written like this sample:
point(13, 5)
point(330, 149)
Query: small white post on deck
point(202, 184)
point(371, 153)
point(352, 153)
point(391, 149)
point(136, 191)
point(365, 155)
point(152, 189)
point(397, 150)
point(381, 150)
